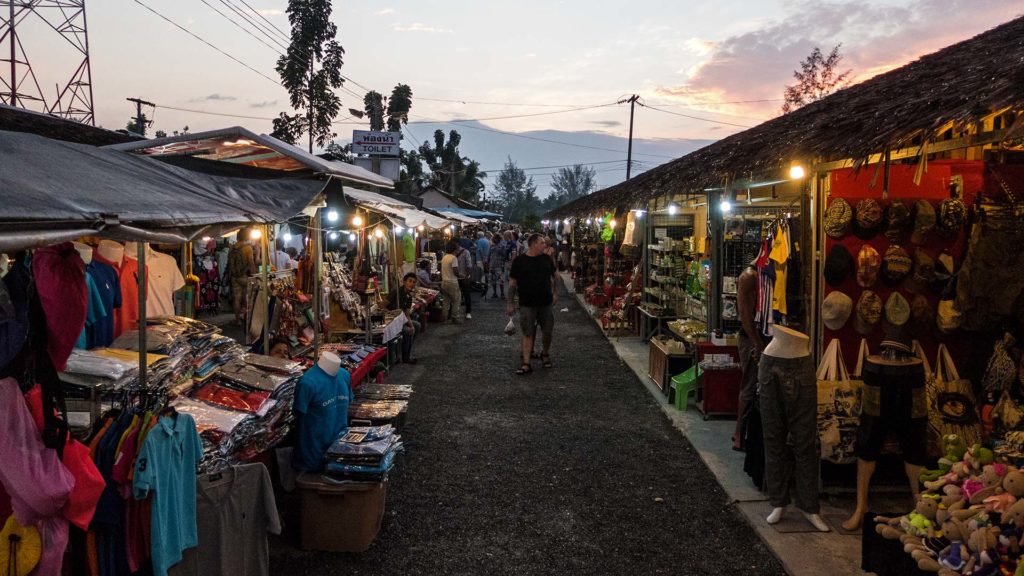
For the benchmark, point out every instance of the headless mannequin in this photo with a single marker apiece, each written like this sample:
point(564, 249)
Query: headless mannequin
point(85, 251)
point(111, 251)
point(865, 468)
point(788, 343)
point(330, 363)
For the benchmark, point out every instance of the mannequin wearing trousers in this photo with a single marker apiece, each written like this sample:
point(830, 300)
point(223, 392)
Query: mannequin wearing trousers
point(788, 392)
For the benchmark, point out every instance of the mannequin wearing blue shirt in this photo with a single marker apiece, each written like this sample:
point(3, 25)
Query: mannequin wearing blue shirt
point(321, 411)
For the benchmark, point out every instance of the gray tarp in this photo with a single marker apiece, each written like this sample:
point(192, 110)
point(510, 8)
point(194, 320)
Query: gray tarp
point(52, 191)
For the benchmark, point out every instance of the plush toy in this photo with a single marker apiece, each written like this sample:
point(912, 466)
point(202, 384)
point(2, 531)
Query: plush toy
point(955, 556)
point(953, 450)
point(987, 484)
point(1014, 515)
point(1013, 482)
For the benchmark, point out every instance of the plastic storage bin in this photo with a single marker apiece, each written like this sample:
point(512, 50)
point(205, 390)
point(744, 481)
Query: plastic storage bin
point(343, 518)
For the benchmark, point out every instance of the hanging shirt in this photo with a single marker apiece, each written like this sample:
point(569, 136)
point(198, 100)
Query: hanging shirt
point(166, 468)
point(321, 408)
point(101, 332)
point(164, 280)
point(126, 316)
point(94, 311)
point(409, 248)
point(779, 256)
point(235, 510)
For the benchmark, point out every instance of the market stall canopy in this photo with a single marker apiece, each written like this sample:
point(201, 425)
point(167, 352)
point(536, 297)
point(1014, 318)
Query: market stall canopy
point(461, 218)
point(52, 191)
point(402, 213)
point(918, 106)
point(236, 145)
point(472, 213)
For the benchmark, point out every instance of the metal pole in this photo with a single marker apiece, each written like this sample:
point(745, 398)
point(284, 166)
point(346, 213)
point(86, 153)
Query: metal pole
point(14, 60)
point(265, 281)
point(717, 265)
point(629, 153)
point(143, 286)
point(316, 261)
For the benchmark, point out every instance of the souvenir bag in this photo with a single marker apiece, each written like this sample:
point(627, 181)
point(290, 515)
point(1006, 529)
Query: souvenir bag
point(953, 409)
point(839, 406)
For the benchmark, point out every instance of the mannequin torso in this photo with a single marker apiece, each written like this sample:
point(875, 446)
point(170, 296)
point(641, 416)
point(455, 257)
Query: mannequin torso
point(787, 343)
point(85, 251)
point(111, 251)
point(330, 363)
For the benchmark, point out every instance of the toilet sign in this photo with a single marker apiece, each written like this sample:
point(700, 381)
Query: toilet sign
point(375, 143)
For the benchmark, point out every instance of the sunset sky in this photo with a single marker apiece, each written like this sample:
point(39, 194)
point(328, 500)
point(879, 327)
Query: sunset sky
point(725, 61)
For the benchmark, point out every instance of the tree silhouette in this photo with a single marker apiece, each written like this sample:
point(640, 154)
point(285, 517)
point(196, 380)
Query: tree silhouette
point(817, 78)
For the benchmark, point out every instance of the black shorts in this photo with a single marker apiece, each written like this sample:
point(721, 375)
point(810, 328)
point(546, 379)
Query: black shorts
point(530, 317)
point(910, 433)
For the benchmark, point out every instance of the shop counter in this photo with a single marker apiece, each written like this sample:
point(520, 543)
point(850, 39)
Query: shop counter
point(665, 360)
point(718, 389)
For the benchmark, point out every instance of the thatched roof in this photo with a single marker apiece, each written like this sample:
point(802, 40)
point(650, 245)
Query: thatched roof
point(962, 83)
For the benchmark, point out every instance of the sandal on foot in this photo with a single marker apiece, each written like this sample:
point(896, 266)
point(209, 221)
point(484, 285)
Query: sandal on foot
point(524, 370)
point(546, 360)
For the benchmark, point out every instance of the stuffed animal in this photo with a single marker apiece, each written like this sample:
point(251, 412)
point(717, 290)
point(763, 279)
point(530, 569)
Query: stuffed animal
point(1014, 515)
point(991, 480)
point(953, 450)
point(1013, 482)
point(955, 556)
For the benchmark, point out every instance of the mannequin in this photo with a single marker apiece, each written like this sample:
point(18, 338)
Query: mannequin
point(788, 390)
point(330, 363)
point(85, 251)
point(111, 251)
point(897, 376)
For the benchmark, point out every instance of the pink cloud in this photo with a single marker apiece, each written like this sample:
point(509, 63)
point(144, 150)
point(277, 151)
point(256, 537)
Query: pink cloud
point(875, 38)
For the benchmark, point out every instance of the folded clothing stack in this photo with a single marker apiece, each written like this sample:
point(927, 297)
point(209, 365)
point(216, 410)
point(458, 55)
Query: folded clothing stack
point(376, 411)
point(384, 392)
point(363, 454)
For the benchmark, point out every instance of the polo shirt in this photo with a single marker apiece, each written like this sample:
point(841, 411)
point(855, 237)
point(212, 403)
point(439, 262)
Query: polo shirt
point(95, 310)
point(166, 467)
point(164, 280)
point(101, 332)
point(321, 410)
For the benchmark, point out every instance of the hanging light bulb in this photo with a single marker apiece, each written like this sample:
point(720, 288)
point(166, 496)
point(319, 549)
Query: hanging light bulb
point(796, 172)
point(379, 232)
point(726, 206)
point(332, 215)
point(590, 221)
point(421, 228)
point(206, 238)
point(612, 223)
point(334, 235)
point(399, 229)
point(351, 236)
point(287, 234)
point(357, 220)
point(256, 234)
point(672, 209)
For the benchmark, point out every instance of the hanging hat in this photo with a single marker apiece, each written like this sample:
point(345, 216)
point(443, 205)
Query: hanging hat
point(948, 318)
point(924, 221)
point(922, 318)
point(869, 312)
point(898, 341)
point(838, 265)
point(897, 310)
point(896, 265)
point(945, 275)
point(838, 216)
point(20, 546)
point(897, 217)
point(836, 310)
point(952, 215)
point(868, 263)
point(868, 218)
point(924, 272)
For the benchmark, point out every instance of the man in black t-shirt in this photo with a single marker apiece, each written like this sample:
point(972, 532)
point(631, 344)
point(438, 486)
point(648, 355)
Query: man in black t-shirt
point(532, 279)
point(402, 298)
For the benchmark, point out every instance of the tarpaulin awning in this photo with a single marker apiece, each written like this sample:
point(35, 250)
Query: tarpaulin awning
point(52, 191)
point(401, 213)
point(237, 145)
point(479, 214)
point(461, 218)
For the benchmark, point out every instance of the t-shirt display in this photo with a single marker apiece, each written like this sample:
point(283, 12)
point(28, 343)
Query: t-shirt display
point(101, 331)
point(321, 409)
point(235, 510)
point(164, 280)
point(533, 276)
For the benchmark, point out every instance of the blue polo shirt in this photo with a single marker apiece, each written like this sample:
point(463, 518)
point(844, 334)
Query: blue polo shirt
point(166, 467)
point(321, 412)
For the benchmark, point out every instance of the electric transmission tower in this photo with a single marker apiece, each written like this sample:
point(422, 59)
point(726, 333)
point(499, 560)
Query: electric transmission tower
point(19, 84)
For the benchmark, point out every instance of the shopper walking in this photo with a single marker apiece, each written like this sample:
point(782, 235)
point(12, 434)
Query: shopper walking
point(465, 273)
point(241, 265)
point(532, 280)
point(450, 285)
point(496, 267)
point(483, 258)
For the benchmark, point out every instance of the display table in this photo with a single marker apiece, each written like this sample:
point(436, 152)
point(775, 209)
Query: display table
point(653, 325)
point(665, 362)
point(718, 389)
point(359, 374)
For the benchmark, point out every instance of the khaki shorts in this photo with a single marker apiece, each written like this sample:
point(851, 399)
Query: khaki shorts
point(532, 317)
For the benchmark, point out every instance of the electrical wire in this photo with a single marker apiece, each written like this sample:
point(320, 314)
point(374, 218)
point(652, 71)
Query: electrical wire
point(528, 115)
point(261, 27)
point(193, 34)
point(256, 12)
point(239, 26)
point(494, 103)
point(694, 117)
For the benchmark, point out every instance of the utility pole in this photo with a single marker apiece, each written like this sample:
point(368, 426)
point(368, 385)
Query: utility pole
point(140, 120)
point(629, 154)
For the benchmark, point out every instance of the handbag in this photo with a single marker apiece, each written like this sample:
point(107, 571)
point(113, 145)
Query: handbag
point(952, 405)
point(839, 405)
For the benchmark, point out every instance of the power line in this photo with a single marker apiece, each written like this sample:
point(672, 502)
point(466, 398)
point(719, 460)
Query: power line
point(192, 34)
point(530, 115)
point(239, 26)
point(261, 27)
point(693, 117)
point(255, 11)
point(494, 103)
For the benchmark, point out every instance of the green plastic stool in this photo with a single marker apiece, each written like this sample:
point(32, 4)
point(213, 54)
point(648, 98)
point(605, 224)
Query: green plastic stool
point(683, 384)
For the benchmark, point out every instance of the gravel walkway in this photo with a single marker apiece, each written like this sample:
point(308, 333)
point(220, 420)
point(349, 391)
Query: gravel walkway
point(569, 471)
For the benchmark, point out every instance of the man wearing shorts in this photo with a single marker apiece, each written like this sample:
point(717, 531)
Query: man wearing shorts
point(532, 279)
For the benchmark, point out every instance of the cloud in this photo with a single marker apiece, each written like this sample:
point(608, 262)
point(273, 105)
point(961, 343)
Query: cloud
point(876, 36)
point(607, 123)
point(264, 104)
point(420, 27)
point(214, 98)
point(269, 12)
point(385, 12)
